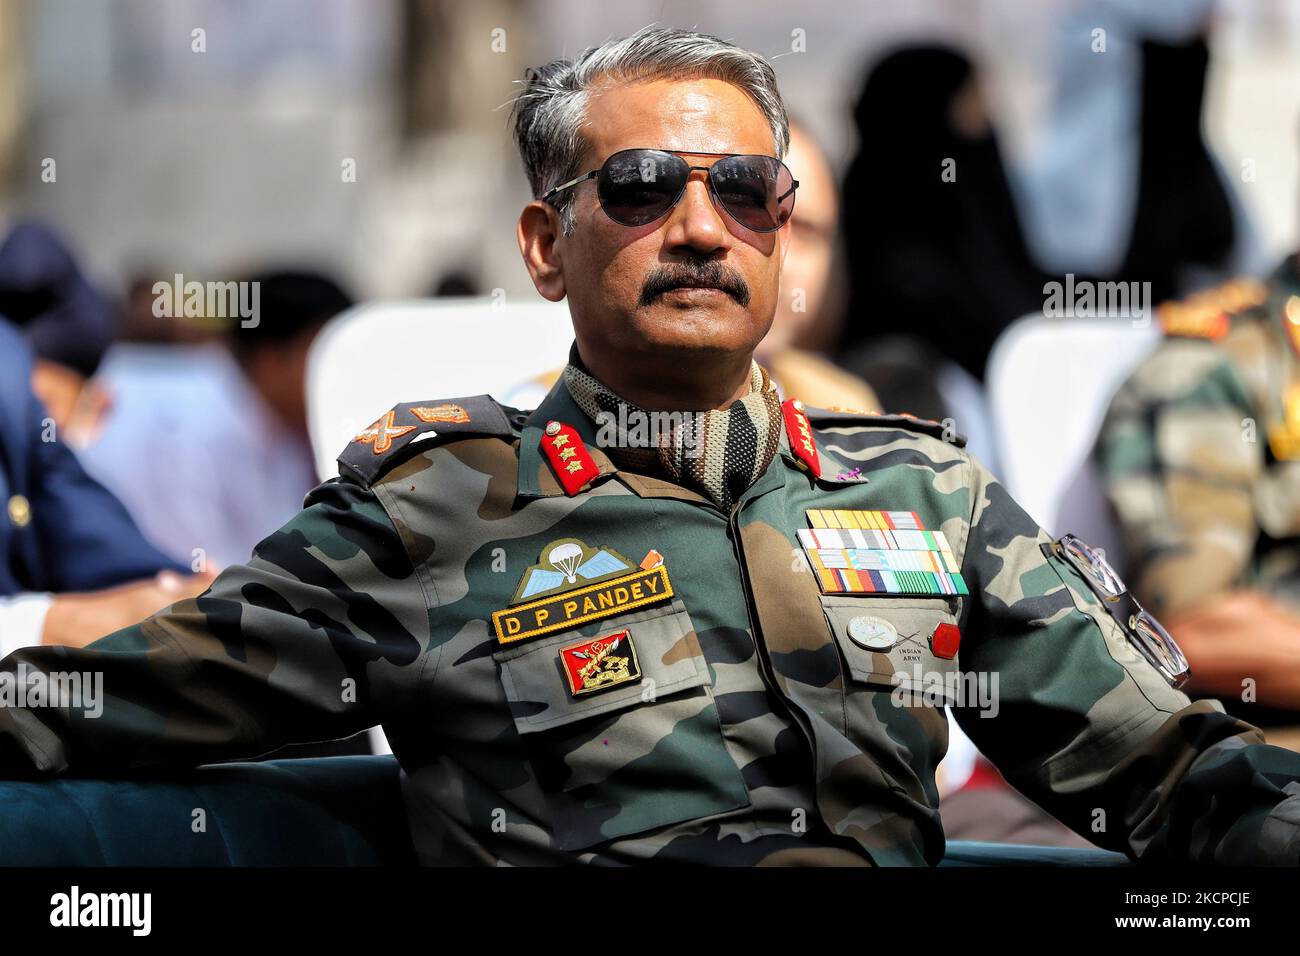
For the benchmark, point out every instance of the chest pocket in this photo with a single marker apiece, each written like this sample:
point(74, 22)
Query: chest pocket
point(899, 642)
point(634, 756)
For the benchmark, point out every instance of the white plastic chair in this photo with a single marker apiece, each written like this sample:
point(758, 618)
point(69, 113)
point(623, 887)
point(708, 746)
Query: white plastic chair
point(375, 355)
point(1050, 382)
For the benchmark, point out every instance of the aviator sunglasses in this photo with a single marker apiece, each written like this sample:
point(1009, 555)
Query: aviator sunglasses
point(637, 186)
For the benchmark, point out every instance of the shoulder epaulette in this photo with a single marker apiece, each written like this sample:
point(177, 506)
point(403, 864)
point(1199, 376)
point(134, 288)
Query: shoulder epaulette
point(1209, 314)
point(411, 424)
point(831, 417)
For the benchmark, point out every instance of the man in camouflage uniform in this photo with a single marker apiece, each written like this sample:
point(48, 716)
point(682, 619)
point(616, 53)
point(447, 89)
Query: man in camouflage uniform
point(586, 650)
point(1200, 450)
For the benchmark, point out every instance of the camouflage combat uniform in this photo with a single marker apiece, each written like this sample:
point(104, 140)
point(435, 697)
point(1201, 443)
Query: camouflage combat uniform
point(1200, 449)
point(759, 732)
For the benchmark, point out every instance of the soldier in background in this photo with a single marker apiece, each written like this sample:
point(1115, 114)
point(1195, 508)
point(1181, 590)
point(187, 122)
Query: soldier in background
point(1201, 455)
point(729, 645)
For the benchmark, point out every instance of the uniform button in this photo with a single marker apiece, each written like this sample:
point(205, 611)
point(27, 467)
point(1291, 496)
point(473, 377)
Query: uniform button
point(552, 428)
point(873, 633)
point(20, 511)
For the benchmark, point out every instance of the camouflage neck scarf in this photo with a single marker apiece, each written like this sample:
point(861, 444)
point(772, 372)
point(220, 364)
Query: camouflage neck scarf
point(720, 452)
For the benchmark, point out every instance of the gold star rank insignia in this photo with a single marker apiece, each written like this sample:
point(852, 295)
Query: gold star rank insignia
point(568, 456)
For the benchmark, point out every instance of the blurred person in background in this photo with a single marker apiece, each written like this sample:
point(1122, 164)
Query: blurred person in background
point(64, 318)
point(935, 247)
point(804, 307)
point(1124, 185)
point(137, 320)
point(73, 565)
point(1200, 452)
point(232, 417)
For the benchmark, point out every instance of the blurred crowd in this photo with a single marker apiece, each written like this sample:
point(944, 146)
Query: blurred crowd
point(141, 452)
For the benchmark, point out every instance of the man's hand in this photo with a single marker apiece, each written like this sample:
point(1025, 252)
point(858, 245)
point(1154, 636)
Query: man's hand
point(1243, 634)
point(78, 619)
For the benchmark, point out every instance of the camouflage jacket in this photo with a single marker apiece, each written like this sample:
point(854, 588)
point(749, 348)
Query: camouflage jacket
point(1200, 449)
point(737, 714)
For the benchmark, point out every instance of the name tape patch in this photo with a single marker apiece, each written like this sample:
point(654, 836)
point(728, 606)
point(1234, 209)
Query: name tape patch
point(572, 608)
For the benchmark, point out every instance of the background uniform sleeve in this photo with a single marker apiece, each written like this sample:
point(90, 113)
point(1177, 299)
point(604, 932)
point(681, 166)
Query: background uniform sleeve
point(1180, 468)
point(1090, 731)
point(88, 541)
point(315, 638)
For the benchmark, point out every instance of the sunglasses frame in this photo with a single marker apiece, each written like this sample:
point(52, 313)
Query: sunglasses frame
point(1126, 610)
point(708, 172)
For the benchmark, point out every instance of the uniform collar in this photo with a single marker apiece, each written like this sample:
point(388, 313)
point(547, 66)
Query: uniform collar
point(536, 480)
point(835, 469)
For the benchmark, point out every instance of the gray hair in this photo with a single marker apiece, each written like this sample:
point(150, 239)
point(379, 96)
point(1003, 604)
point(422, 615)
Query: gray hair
point(549, 113)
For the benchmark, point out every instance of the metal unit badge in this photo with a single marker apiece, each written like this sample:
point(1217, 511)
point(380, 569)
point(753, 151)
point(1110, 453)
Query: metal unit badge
point(600, 663)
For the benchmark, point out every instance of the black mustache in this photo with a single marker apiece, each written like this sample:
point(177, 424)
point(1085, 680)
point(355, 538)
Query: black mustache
point(694, 274)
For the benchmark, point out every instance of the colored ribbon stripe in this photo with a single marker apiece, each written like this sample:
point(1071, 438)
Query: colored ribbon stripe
point(879, 552)
point(872, 520)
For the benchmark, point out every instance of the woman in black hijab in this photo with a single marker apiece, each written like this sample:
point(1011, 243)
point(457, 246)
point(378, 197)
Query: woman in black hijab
point(1184, 218)
point(934, 244)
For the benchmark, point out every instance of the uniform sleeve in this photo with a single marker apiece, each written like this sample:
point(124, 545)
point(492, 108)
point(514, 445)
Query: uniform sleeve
point(1180, 458)
point(88, 541)
point(317, 637)
point(1086, 728)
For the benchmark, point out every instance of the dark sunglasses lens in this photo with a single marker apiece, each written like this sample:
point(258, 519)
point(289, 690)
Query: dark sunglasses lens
point(637, 186)
point(757, 191)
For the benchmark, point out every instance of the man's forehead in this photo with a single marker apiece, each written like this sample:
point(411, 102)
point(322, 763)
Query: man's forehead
point(704, 115)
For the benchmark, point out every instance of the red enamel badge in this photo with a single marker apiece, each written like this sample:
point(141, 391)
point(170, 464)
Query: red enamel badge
point(946, 640)
point(601, 663)
point(799, 431)
point(569, 458)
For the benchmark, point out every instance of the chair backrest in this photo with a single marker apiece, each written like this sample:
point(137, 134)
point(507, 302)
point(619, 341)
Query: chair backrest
point(373, 356)
point(1050, 382)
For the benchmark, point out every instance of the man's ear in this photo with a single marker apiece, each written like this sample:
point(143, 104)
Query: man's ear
point(786, 233)
point(538, 233)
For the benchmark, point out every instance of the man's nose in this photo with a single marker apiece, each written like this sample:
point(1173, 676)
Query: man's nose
point(696, 223)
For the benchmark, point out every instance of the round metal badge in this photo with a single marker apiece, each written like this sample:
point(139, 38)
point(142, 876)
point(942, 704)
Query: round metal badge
point(873, 633)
